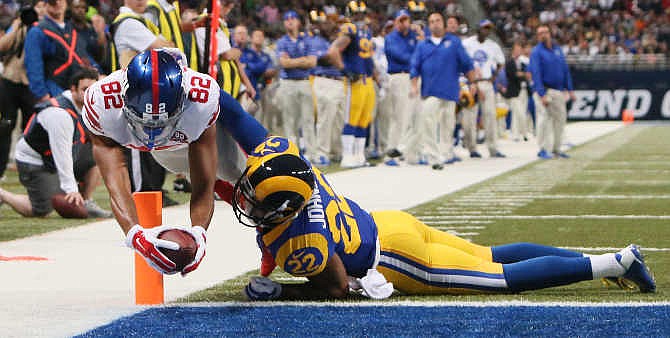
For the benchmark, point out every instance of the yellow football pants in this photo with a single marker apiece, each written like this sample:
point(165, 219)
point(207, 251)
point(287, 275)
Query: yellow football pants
point(361, 102)
point(419, 259)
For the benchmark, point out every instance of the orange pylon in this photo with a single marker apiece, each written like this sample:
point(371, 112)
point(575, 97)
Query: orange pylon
point(627, 116)
point(148, 282)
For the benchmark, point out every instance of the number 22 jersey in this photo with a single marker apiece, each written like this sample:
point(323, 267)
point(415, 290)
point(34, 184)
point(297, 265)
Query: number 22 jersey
point(330, 224)
point(103, 110)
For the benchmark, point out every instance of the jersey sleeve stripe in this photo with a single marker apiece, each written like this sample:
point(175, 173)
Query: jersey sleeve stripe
point(92, 119)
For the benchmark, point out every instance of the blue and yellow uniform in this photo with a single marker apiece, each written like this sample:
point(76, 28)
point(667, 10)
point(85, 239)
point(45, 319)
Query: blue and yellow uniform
point(416, 258)
point(359, 67)
point(303, 223)
point(329, 225)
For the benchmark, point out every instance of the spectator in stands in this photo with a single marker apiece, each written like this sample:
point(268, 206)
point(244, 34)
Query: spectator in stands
point(132, 34)
point(551, 78)
point(328, 89)
point(14, 91)
point(54, 51)
point(488, 58)
point(294, 93)
point(437, 61)
point(270, 13)
point(91, 31)
point(54, 155)
point(399, 46)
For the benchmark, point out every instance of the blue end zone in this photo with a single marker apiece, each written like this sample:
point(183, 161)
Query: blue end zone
point(357, 321)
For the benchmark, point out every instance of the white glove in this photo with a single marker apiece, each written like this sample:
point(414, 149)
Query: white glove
point(199, 233)
point(262, 288)
point(146, 242)
point(375, 286)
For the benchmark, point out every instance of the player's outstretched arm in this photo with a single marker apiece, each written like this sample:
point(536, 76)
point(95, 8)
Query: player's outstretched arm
point(329, 283)
point(202, 157)
point(112, 164)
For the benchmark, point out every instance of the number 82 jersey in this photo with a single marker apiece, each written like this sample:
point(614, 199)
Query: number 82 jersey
point(329, 224)
point(103, 110)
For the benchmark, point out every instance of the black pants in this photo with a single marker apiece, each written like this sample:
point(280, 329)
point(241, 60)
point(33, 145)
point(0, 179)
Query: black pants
point(13, 96)
point(150, 174)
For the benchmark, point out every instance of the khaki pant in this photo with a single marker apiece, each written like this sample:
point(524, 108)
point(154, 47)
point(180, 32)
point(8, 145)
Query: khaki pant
point(294, 98)
point(550, 120)
point(330, 100)
point(519, 110)
point(400, 111)
point(436, 120)
point(489, 118)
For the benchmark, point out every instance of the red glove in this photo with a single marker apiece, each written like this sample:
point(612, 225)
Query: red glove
point(146, 243)
point(198, 233)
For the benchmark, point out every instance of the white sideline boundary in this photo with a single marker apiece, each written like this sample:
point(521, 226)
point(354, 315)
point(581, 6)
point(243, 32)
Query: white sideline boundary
point(88, 282)
point(409, 303)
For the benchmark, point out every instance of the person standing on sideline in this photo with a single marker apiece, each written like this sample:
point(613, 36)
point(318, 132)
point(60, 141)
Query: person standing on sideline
point(294, 93)
point(438, 61)
point(399, 46)
point(260, 70)
point(551, 78)
point(512, 92)
point(352, 52)
point(328, 91)
point(488, 58)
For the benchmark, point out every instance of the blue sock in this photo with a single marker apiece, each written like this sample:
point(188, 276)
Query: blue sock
point(544, 272)
point(516, 252)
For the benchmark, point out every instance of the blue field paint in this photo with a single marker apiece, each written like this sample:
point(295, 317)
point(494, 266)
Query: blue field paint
point(359, 321)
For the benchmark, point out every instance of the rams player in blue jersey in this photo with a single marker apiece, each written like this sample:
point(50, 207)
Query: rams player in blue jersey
point(312, 231)
point(352, 51)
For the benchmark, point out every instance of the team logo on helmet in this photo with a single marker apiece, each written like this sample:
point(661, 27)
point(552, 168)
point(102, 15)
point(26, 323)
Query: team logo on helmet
point(275, 186)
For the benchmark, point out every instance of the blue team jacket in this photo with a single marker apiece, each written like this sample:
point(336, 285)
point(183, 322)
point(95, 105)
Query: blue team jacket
point(549, 69)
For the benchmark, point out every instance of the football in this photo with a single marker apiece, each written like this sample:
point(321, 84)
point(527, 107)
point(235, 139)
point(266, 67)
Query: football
point(67, 210)
point(187, 247)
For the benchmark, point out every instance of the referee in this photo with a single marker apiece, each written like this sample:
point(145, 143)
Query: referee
point(551, 78)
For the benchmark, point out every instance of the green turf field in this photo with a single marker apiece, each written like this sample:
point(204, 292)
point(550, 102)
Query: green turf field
point(612, 192)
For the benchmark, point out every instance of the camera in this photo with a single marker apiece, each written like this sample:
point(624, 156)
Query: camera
point(28, 15)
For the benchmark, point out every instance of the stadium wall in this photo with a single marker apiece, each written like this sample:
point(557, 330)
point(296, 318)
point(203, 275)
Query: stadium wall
point(605, 94)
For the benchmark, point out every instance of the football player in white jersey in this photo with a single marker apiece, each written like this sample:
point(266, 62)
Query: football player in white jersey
point(159, 105)
point(488, 58)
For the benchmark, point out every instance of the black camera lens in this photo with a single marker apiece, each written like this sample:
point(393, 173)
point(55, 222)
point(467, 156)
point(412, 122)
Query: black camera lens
point(28, 15)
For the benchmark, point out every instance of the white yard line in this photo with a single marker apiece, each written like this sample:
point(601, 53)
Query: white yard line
point(411, 303)
point(546, 217)
point(606, 249)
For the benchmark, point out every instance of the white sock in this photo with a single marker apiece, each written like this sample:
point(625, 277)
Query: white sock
point(606, 266)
